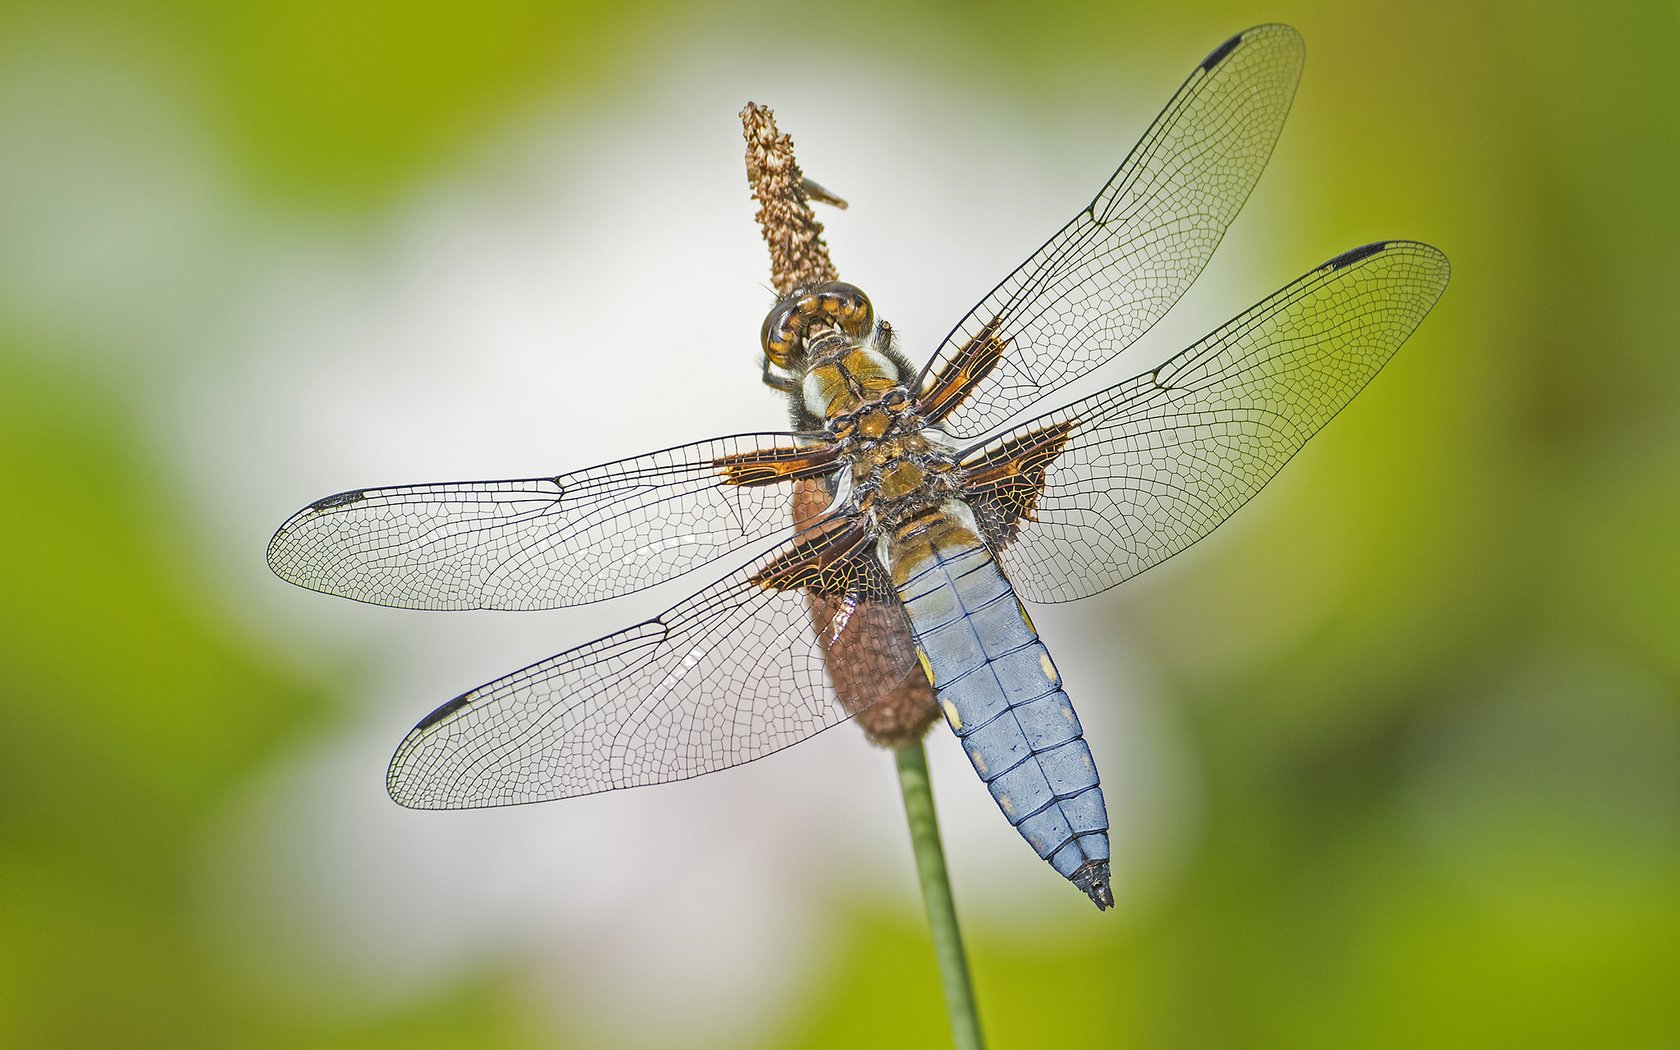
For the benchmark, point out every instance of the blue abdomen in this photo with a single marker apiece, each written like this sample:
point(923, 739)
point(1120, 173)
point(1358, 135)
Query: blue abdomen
point(1003, 697)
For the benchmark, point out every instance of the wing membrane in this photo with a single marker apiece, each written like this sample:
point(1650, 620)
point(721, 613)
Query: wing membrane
point(1145, 469)
point(543, 543)
point(1120, 264)
point(729, 675)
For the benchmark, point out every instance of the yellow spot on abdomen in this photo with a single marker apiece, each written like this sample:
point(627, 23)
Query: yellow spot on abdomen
point(927, 668)
point(1006, 804)
point(952, 717)
point(1049, 667)
point(1024, 617)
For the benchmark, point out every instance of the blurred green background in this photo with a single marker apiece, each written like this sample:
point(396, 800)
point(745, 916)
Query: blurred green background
point(1397, 761)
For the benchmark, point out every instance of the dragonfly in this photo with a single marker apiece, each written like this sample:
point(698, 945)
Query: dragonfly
point(949, 498)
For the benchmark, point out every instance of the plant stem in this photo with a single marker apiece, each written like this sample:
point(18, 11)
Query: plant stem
point(936, 895)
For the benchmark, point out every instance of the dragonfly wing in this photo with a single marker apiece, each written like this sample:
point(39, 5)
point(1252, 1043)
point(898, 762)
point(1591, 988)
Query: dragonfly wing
point(1099, 491)
point(543, 543)
point(729, 675)
point(1120, 264)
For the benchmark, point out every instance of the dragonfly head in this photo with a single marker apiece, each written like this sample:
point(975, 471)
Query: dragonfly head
point(835, 304)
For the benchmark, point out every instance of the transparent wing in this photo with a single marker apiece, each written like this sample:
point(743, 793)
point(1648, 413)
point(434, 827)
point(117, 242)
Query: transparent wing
point(1114, 270)
point(729, 675)
point(543, 543)
point(1133, 475)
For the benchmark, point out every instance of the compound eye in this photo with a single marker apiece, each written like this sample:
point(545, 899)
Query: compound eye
point(849, 307)
point(780, 334)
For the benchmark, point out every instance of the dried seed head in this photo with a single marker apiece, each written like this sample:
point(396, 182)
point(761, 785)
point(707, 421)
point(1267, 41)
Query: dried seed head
point(798, 256)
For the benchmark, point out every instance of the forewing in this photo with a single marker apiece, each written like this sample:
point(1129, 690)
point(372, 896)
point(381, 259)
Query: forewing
point(729, 675)
point(543, 543)
point(1120, 264)
point(1111, 485)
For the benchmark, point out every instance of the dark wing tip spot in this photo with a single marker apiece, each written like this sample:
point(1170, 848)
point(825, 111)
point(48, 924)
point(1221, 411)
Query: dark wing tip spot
point(339, 500)
point(444, 711)
point(1220, 53)
point(1353, 255)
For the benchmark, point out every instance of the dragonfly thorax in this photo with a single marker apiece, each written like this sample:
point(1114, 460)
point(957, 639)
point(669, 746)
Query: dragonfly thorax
point(844, 378)
point(855, 386)
point(865, 424)
point(903, 476)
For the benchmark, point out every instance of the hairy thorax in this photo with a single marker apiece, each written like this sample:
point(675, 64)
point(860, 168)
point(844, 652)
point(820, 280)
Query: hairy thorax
point(900, 467)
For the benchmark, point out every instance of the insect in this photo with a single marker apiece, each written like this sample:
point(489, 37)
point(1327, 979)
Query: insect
point(945, 500)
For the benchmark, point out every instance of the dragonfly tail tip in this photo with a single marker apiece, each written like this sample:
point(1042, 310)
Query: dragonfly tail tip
point(1092, 877)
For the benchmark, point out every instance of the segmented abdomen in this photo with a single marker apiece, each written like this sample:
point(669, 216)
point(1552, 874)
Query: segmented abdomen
point(1003, 698)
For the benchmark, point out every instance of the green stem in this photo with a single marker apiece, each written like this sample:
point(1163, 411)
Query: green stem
point(936, 895)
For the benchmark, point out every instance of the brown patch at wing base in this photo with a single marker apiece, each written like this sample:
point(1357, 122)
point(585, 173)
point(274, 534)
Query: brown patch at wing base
point(767, 466)
point(821, 559)
point(854, 661)
point(959, 376)
point(1005, 481)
